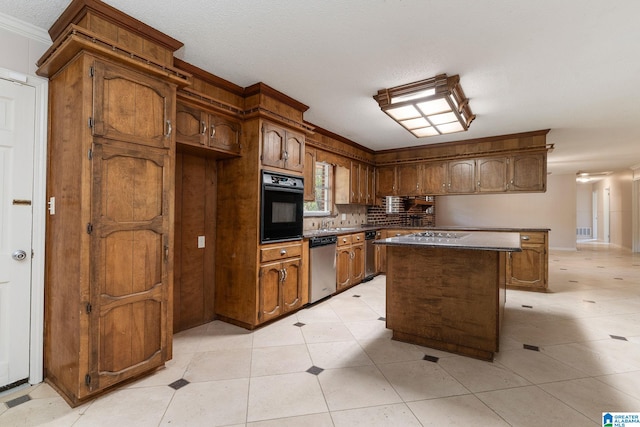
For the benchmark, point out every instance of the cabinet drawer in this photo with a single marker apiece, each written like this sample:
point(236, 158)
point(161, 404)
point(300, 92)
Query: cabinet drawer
point(357, 238)
point(532, 237)
point(344, 240)
point(276, 252)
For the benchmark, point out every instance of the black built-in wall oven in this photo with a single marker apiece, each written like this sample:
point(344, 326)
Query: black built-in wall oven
point(282, 199)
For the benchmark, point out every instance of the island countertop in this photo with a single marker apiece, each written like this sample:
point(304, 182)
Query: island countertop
point(472, 240)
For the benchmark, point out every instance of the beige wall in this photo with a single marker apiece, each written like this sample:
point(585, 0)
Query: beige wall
point(21, 45)
point(620, 189)
point(555, 209)
point(584, 207)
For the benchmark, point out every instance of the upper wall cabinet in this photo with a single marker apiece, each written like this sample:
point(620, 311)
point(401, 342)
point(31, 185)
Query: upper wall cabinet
point(199, 128)
point(491, 174)
point(282, 148)
point(528, 172)
point(434, 178)
point(461, 175)
point(524, 172)
point(385, 181)
point(309, 174)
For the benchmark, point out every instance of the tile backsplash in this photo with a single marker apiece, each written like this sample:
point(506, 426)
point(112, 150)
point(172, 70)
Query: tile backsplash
point(406, 213)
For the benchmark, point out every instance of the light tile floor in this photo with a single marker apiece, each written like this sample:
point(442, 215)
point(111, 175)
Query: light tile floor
point(334, 365)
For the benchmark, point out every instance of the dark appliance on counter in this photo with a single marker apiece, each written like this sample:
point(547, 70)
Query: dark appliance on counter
point(322, 254)
point(369, 255)
point(281, 207)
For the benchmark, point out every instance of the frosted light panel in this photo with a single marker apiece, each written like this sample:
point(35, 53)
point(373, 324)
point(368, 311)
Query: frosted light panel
point(450, 127)
point(433, 107)
point(411, 96)
point(403, 113)
point(439, 119)
point(424, 132)
point(415, 123)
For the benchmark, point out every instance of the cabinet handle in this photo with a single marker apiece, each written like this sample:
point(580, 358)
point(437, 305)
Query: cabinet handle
point(283, 252)
point(352, 255)
point(358, 238)
point(213, 131)
point(285, 155)
point(169, 129)
point(281, 275)
point(344, 240)
point(284, 274)
point(525, 237)
point(204, 128)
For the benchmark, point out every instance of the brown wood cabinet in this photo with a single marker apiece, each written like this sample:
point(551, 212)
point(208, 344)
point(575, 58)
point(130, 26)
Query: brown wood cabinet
point(524, 172)
point(409, 180)
point(109, 247)
point(461, 176)
point(385, 181)
point(350, 260)
point(528, 172)
point(529, 269)
point(195, 237)
point(309, 174)
point(491, 174)
point(361, 186)
point(282, 148)
point(200, 128)
point(250, 288)
point(434, 178)
point(279, 280)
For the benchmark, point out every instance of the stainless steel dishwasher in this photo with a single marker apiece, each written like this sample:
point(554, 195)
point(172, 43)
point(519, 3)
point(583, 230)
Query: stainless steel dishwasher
point(369, 255)
point(322, 254)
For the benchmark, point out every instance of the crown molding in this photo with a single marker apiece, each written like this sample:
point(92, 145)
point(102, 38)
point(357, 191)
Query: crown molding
point(24, 29)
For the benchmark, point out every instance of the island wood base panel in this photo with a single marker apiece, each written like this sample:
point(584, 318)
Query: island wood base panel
point(444, 346)
point(449, 299)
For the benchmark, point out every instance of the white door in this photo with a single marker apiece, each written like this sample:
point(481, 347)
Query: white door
point(17, 124)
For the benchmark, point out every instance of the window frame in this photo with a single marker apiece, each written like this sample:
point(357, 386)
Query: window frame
point(327, 189)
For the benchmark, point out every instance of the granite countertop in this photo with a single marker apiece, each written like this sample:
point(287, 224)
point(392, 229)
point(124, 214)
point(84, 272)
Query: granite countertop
point(361, 228)
point(475, 240)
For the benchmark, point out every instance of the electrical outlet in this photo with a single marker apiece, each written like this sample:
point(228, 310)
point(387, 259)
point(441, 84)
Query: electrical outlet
point(344, 217)
point(200, 242)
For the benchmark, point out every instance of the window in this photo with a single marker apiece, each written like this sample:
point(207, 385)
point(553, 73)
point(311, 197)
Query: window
point(322, 205)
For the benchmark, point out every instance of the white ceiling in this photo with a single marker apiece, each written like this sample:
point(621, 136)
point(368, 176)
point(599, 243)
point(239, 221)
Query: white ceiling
point(572, 66)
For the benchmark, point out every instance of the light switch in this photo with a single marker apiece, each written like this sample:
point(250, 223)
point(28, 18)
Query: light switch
point(200, 242)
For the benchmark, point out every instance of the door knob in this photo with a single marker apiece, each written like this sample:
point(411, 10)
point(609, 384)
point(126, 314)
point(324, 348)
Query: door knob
point(19, 255)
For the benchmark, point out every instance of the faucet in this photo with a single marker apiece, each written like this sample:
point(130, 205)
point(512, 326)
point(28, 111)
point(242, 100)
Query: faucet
point(323, 224)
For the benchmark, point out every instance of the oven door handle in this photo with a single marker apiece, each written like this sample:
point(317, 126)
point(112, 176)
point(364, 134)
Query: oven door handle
point(284, 189)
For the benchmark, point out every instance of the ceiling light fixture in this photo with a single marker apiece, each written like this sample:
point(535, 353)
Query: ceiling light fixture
point(430, 107)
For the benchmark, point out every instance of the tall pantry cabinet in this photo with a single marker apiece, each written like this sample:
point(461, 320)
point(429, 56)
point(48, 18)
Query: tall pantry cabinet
point(110, 186)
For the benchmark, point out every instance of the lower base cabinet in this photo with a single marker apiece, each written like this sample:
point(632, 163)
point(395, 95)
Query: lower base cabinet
point(350, 260)
point(529, 269)
point(280, 284)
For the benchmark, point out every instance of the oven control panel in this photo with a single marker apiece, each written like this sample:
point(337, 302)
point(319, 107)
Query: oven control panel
point(278, 180)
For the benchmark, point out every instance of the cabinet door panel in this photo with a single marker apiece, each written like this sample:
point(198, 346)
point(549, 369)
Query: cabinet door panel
point(131, 107)
point(224, 134)
point(269, 291)
point(357, 264)
point(191, 125)
point(309, 175)
point(294, 158)
point(408, 180)
point(492, 174)
point(355, 192)
point(528, 172)
point(527, 267)
point(130, 274)
point(292, 285)
point(461, 177)
point(385, 181)
point(273, 143)
point(343, 264)
point(434, 178)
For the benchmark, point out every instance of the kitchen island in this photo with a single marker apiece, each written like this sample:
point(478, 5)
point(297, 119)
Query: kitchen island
point(446, 289)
